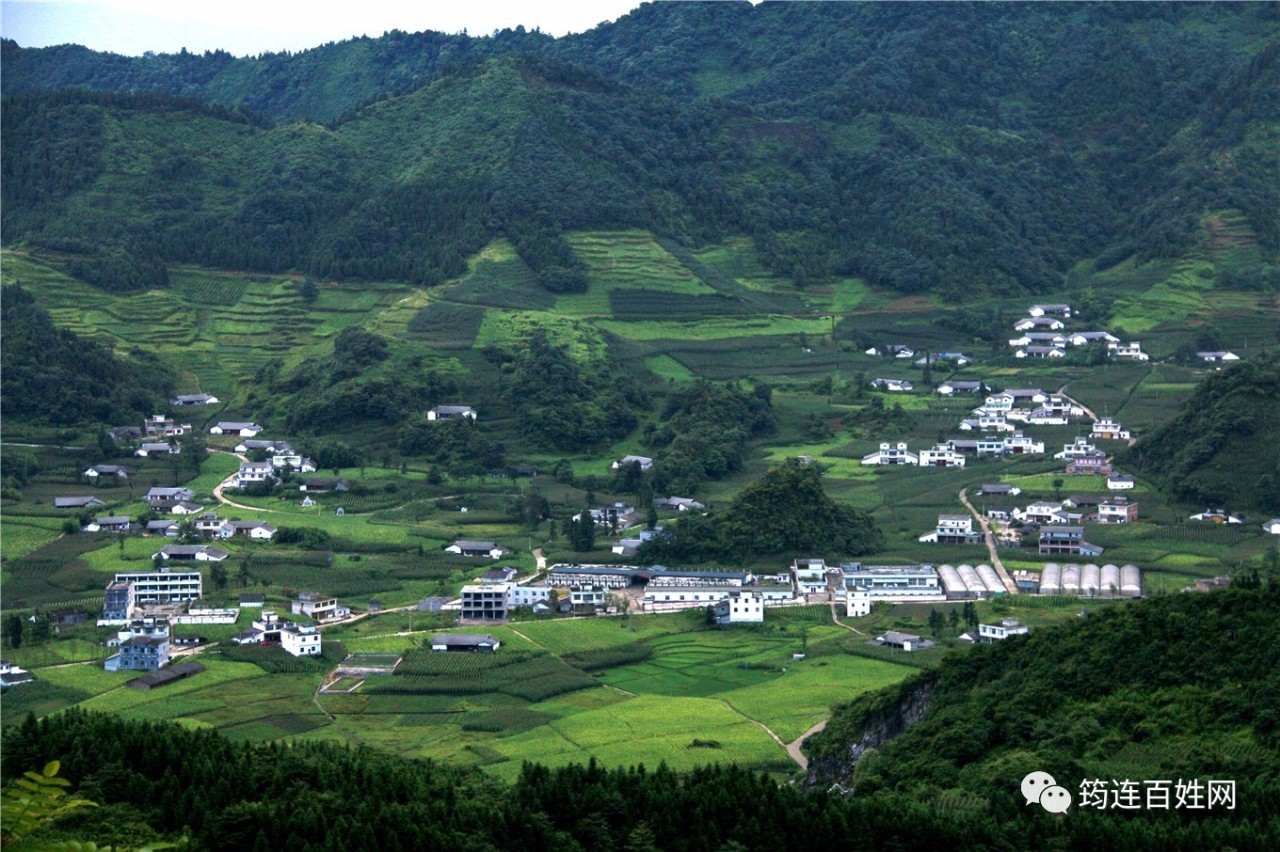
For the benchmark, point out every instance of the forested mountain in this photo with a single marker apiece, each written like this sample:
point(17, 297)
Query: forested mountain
point(1223, 449)
point(51, 375)
point(1112, 695)
point(921, 146)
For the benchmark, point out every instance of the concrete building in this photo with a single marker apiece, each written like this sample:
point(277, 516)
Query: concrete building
point(740, 607)
point(895, 583)
point(485, 602)
point(301, 640)
point(1007, 627)
point(319, 607)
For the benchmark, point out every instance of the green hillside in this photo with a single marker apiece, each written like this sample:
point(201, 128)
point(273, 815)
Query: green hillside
point(1199, 455)
point(894, 144)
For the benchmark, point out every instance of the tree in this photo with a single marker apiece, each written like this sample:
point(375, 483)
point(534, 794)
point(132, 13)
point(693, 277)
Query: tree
point(936, 622)
point(13, 627)
point(218, 574)
point(308, 291)
point(953, 619)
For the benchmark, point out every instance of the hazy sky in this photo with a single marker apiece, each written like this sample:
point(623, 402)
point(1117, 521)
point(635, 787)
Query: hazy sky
point(245, 27)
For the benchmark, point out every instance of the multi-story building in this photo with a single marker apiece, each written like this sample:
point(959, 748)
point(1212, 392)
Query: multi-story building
point(898, 583)
point(140, 653)
point(1066, 541)
point(1117, 510)
point(485, 602)
point(301, 640)
point(740, 607)
point(161, 586)
point(319, 607)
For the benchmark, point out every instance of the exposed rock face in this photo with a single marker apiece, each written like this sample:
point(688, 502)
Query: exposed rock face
point(879, 728)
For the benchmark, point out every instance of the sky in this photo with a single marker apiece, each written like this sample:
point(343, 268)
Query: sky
point(250, 27)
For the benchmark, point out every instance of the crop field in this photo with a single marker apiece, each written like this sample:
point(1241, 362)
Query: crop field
point(19, 536)
point(683, 732)
point(793, 702)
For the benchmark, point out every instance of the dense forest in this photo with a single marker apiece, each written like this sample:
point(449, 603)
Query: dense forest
point(1072, 700)
point(1200, 455)
point(786, 511)
point(1180, 686)
point(922, 146)
point(51, 375)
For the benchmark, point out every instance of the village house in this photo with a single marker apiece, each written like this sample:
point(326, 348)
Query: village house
point(319, 607)
point(253, 473)
point(1117, 510)
point(645, 462)
point(680, 504)
point(448, 412)
point(958, 358)
point(1078, 447)
point(1040, 352)
point(891, 454)
point(195, 399)
point(1039, 324)
point(159, 426)
point(1000, 488)
point(892, 385)
point(159, 498)
point(893, 350)
point(293, 461)
point(233, 427)
point(464, 642)
point(300, 640)
point(1218, 516)
point(1042, 512)
point(953, 529)
point(13, 675)
point(185, 507)
point(1063, 311)
point(1093, 462)
point(211, 526)
point(190, 553)
point(125, 434)
point(1120, 482)
point(141, 653)
point(949, 388)
point(157, 449)
point(903, 641)
point(1040, 338)
point(740, 607)
point(1217, 357)
point(77, 503)
point(255, 530)
point(1272, 526)
point(103, 471)
point(527, 595)
point(477, 548)
point(265, 445)
point(1130, 352)
point(1019, 444)
point(942, 455)
point(165, 527)
point(502, 574)
point(1007, 627)
point(109, 524)
point(1107, 429)
point(1085, 338)
point(810, 576)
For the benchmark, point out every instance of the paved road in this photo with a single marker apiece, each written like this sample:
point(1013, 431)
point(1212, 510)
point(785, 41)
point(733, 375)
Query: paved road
point(1010, 586)
point(1062, 392)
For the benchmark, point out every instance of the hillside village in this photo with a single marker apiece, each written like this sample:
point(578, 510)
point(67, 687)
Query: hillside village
point(150, 610)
